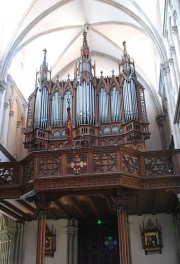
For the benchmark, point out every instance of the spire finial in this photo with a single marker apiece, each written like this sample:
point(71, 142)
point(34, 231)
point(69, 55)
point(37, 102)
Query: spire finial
point(45, 51)
point(85, 38)
point(85, 48)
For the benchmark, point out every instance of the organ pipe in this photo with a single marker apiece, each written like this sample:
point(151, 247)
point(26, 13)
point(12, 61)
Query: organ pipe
point(119, 99)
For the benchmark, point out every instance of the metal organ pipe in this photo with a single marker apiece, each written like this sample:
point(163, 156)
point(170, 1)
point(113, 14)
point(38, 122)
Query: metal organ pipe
point(130, 100)
point(55, 113)
point(85, 104)
point(37, 109)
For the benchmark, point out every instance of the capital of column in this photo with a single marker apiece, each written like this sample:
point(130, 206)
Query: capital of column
point(165, 68)
point(6, 105)
point(11, 113)
point(120, 205)
point(18, 124)
point(41, 214)
point(171, 62)
point(160, 120)
point(2, 86)
point(172, 50)
point(175, 14)
point(174, 30)
point(42, 209)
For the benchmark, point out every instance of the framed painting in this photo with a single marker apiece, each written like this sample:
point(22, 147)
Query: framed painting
point(151, 237)
point(50, 242)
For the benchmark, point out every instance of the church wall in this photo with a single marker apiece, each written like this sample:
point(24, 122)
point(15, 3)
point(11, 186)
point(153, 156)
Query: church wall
point(14, 112)
point(169, 250)
point(30, 242)
point(154, 143)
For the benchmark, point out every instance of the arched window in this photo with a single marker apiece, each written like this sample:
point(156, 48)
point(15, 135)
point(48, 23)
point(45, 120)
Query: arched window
point(56, 107)
point(41, 108)
point(115, 105)
point(67, 97)
point(103, 106)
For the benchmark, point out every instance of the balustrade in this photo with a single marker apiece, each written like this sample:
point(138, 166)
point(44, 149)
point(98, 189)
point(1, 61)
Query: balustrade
point(90, 161)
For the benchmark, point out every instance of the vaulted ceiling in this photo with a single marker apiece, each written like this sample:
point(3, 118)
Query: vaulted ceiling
point(29, 26)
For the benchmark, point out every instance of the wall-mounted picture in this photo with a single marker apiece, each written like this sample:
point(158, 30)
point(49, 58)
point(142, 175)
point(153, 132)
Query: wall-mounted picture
point(50, 242)
point(151, 237)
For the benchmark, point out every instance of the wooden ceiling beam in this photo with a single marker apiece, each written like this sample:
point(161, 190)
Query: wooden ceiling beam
point(11, 214)
point(139, 203)
point(61, 207)
point(26, 216)
point(27, 206)
point(69, 200)
point(94, 209)
point(109, 204)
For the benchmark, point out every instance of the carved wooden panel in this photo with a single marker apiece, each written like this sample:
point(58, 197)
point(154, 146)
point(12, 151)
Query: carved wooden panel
point(130, 164)
point(49, 166)
point(77, 163)
point(28, 171)
point(159, 165)
point(105, 162)
point(9, 176)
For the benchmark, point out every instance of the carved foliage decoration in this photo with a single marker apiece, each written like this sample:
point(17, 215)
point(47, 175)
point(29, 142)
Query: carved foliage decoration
point(49, 166)
point(9, 176)
point(158, 166)
point(130, 164)
point(28, 171)
point(105, 162)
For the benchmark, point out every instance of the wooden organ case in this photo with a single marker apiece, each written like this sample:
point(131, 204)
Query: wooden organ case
point(105, 110)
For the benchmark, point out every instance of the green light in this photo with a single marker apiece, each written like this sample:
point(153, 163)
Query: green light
point(110, 238)
point(99, 222)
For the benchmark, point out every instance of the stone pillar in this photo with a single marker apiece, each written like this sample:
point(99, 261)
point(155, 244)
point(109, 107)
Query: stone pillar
point(165, 73)
point(121, 209)
point(3, 86)
point(175, 62)
point(161, 119)
point(40, 255)
point(72, 242)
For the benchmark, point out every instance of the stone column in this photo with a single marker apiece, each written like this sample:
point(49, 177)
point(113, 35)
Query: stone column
point(3, 86)
point(40, 255)
point(72, 242)
point(175, 62)
point(165, 73)
point(161, 119)
point(121, 209)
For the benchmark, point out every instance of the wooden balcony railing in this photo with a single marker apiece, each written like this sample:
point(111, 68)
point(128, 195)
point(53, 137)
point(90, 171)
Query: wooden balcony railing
point(90, 161)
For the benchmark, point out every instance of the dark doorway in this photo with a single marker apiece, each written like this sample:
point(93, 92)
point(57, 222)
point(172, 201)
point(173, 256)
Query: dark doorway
point(98, 244)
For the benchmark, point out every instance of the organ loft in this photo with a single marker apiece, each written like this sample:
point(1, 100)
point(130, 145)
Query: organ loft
point(105, 110)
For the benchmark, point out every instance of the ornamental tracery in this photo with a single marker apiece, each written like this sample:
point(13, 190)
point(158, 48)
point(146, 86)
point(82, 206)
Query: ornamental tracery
point(104, 110)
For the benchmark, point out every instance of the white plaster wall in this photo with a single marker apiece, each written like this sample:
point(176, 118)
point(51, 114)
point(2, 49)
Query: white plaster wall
point(3, 157)
point(169, 251)
point(60, 256)
point(2, 97)
point(13, 120)
point(30, 242)
point(154, 143)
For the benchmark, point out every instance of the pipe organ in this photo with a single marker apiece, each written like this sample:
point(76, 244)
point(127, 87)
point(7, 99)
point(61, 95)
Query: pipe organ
point(104, 110)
